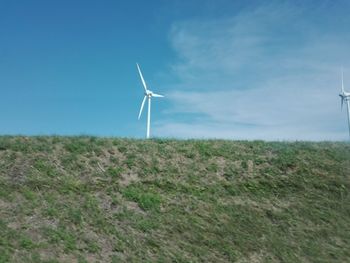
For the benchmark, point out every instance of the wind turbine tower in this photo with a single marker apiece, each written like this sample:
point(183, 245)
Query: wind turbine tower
point(148, 95)
point(345, 97)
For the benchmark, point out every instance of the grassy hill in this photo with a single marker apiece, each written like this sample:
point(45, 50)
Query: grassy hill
point(86, 199)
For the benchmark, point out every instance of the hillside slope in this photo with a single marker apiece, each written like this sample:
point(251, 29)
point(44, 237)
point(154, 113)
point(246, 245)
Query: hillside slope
point(86, 199)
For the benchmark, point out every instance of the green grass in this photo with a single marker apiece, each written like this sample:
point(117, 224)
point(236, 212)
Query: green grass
point(88, 199)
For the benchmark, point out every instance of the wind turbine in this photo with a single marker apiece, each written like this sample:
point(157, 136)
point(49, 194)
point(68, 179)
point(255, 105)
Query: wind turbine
point(345, 97)
point(148, 95)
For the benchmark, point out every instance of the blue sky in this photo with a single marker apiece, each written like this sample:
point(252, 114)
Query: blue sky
point(229, 69)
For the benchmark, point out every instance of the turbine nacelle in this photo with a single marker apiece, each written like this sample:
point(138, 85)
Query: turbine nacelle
point(148, 93)
point(345, 94)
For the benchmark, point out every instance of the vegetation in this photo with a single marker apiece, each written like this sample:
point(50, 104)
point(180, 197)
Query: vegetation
point(87, 199)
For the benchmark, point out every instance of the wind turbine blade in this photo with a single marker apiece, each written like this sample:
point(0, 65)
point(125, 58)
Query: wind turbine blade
point(143, 81)
point(157, 95)
point(142, 104)
point(342, 102)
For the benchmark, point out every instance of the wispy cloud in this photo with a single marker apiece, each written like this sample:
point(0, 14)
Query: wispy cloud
point(269, 72)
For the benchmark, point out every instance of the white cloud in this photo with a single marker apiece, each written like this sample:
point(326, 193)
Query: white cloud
point(270, 72)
